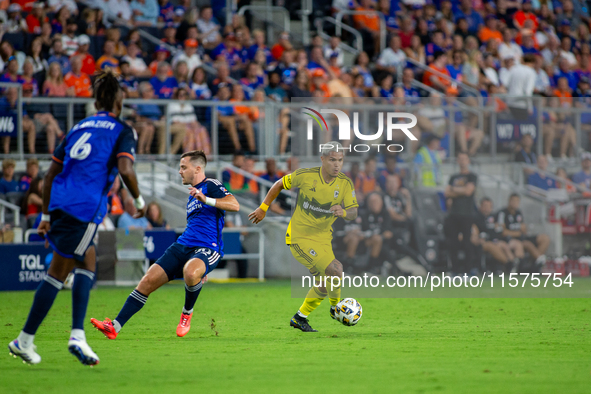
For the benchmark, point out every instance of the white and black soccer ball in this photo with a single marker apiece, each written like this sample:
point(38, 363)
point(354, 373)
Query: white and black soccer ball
point(348, 311)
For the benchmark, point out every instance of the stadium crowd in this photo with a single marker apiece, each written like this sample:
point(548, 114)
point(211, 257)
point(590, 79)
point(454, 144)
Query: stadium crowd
point(482, 47)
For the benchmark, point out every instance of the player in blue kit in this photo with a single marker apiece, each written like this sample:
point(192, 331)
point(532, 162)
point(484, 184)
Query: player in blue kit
point(75, 190)
point(195, 253)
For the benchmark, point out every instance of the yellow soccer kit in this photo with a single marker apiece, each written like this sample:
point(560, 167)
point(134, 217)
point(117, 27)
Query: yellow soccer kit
point(309, 233)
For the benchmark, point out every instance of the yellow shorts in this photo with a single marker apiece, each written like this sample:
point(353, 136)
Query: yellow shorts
point(313, 255)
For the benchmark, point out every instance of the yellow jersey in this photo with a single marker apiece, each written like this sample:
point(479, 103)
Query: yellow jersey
point(312, 218)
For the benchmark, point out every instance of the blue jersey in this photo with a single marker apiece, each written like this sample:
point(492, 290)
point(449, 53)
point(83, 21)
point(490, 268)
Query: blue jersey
point(89, 156)
point(204, 222)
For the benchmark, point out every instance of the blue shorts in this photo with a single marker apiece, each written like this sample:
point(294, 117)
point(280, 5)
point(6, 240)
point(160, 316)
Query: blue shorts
point(176, 256)
point(70, 237)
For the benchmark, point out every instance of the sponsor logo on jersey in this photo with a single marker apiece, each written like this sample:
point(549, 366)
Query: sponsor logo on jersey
point(336, 193)
point(313, 252)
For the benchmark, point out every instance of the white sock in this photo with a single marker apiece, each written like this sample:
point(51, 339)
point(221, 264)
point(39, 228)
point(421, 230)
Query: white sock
point(25, 340)
point(300, 314)
point(186, 312)
point(116, 326)
point(78, 334)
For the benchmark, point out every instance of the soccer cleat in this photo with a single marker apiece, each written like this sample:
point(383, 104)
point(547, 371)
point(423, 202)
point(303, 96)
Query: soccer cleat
point(301, 323)
point(29, 355)
point(106, 327)
point(184, 325)
point(332, 311)
point(83, 352)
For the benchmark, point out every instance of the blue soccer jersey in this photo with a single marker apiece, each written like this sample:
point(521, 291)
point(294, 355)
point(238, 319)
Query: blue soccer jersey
point(89, 156)
point(204, 222)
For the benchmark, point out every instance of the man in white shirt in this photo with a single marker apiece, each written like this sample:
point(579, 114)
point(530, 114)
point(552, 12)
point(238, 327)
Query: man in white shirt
point(69, 39)
point(188, 55)
point(333, 48)
point(508, 48)
point(542, 85)
point(208, 29)
point(118, 8)
point(521, 83)
point(392, 57)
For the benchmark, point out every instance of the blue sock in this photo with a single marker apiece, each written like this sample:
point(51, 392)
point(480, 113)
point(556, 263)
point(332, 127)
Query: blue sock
point(191, 294)
point(80, 294)
point(133, 304)
point(44, 297)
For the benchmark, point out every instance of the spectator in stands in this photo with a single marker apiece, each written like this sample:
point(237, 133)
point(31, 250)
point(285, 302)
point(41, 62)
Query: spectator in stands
point(573, 19)
point(232, 180)
point(208, 28)
point(59, 23)
point(369, 27)
point(244, 117)
point(259, 45)
point(456, 66)
point(333, 48)
point(32, 173)
point(14, 23)
point(54, 85)
point(36, 18)
point(6, 52)
point(36, 58)
point(524, 14)
point(283, 44)
point(583, 177)
point(435, 80)
point(367, 181)
point(526, 155)
point(108, 58)
point(188, 55)
point(301, 87)
point(181, 74)
point(137, 65)
point(416, 50)
point(144, 12)
point(59, 56)
point(128, 82)
point(461, 189)
point(46, 39)
point(362, 67)
point(78, 80)
point(512, 221)
point(542, 85)
point(160, 55)
point(11, 71)
point(119, 8)
point(508, 48)
point(155, 217)
point(376, 230)
point(146, 115)
point(558, 125)
point(563, 181)
point(274, 90)
point(128, 220)
point(33, 201)
point(428, 162)
point(183, 114)
point(490, 31)
point(199, 85)
point(391, 162)
point(28, 81)
point(7, 183)
point(393, 57)
point(69, 39)
point(164, 85)
point(539, 179)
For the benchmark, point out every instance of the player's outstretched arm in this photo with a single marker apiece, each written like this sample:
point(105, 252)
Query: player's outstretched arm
point(259, 214)
point(227, 203)
point(125, 167)
point(54, 169)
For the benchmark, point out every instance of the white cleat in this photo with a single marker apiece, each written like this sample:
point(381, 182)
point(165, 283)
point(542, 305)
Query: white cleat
point(29, 355)
point(83, 352)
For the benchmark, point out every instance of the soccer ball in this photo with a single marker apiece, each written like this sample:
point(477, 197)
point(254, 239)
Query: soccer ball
point(348, 311)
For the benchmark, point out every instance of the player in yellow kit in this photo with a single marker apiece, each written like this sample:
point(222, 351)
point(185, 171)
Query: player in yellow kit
point(325, 194)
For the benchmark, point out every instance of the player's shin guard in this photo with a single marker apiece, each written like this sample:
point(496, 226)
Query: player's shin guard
point(133, 304)
point(312, 301)
point(44, 297)
point(191, 294)
point(83, 280)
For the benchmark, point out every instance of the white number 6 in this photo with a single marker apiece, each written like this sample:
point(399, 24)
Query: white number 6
point(81, 148)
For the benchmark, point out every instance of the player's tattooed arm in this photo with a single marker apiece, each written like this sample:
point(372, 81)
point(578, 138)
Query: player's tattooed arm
point(347, 214)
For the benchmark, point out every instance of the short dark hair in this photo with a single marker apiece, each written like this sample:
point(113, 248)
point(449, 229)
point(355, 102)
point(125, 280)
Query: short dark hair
point(514, 195)
point(196, 155)
point(485, 199)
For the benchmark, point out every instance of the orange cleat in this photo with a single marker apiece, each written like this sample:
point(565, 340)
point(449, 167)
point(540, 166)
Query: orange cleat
point(106, 327)
point(184, 325)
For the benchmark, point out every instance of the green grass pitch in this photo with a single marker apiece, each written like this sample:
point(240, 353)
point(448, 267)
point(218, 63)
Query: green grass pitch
point(400, 345)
